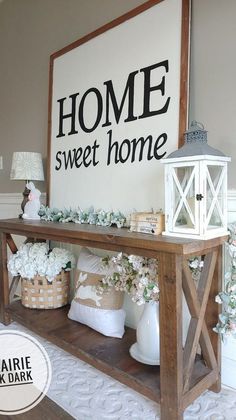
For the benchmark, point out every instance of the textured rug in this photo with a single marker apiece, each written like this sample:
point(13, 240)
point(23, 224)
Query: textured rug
point(86, 393)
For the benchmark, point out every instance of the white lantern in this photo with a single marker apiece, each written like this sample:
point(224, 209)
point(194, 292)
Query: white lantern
point(196, 188)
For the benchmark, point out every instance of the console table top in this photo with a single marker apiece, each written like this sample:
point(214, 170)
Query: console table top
point(107, 237)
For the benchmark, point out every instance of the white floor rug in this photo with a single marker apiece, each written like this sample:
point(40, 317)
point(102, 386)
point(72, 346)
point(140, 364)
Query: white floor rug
point(87, 394)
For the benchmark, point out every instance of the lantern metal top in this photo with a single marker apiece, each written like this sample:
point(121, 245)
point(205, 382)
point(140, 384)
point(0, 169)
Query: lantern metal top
point(195, 143)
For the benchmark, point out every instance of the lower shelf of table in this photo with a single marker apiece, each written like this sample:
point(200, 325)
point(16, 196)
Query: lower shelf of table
point(109, 355)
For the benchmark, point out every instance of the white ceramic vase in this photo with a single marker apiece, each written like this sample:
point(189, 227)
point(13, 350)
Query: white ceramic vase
point(147, 348)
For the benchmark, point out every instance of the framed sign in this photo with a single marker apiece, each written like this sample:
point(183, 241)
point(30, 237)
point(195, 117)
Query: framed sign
point(117, 107)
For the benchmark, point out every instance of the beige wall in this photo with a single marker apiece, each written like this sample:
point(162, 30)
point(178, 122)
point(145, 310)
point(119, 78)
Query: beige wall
point(213, 74)
point(31, 30)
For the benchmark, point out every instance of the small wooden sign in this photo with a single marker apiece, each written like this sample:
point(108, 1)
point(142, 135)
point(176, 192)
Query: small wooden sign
point(142, 222)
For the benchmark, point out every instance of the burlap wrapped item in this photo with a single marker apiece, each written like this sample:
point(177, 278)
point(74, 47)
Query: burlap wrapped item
point(87, 294)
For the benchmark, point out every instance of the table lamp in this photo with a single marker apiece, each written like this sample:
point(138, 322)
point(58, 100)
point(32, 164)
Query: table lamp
point(27, 166)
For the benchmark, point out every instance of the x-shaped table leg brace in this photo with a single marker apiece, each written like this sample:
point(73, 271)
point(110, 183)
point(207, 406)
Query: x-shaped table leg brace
point(197, 299)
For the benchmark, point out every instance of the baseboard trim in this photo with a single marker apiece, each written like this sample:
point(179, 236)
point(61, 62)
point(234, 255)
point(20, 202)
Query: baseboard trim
point(227, 377)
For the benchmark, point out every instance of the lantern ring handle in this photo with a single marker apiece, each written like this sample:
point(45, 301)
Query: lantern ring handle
point(197, 124)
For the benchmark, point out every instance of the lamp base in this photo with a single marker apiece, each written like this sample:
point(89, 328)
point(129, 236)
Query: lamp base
point(24, 201)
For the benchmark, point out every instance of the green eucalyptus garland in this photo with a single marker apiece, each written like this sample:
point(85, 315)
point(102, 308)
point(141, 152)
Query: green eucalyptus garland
point(90, 216)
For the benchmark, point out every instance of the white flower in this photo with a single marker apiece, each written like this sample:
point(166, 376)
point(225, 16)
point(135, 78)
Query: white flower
point(194, 264)
point(144, 281)
point(35, 259)
point(233, 287)
point(218, 299)
point(136, 262)
point(156, 289)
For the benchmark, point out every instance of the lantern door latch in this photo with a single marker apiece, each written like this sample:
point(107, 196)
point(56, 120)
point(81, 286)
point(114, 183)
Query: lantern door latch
point(199, 197)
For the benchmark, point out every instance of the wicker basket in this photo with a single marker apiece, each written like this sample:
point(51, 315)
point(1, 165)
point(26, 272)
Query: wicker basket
point(38, 293)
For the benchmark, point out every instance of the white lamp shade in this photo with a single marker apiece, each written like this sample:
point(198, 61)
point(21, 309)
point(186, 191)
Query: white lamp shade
point(27, 166)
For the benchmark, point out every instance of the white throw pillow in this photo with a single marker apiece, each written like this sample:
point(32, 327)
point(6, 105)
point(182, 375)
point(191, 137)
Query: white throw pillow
point(103, 313)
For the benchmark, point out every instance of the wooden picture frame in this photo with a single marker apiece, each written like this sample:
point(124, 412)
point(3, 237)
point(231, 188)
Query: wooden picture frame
point(118, 104)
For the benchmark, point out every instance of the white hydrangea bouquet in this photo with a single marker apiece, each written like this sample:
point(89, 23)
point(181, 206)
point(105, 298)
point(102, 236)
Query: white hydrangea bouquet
point(132, 274)
point(37, 259)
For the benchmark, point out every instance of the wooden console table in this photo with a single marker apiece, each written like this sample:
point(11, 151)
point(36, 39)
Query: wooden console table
point(183, 374)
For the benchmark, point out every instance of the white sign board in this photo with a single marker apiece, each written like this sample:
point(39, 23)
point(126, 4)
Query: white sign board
point(115, 111)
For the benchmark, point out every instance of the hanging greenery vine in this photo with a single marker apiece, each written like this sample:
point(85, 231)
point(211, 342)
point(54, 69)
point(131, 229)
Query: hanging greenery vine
point(226, 325)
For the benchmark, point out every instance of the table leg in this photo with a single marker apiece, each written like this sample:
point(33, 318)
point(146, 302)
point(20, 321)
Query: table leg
point(171, 351)
point(4, 281)
point(212, 314)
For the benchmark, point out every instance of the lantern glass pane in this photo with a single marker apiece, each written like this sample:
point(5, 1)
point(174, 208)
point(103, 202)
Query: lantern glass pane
point(184, 197)
point(215, 196)
point(215, 219)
